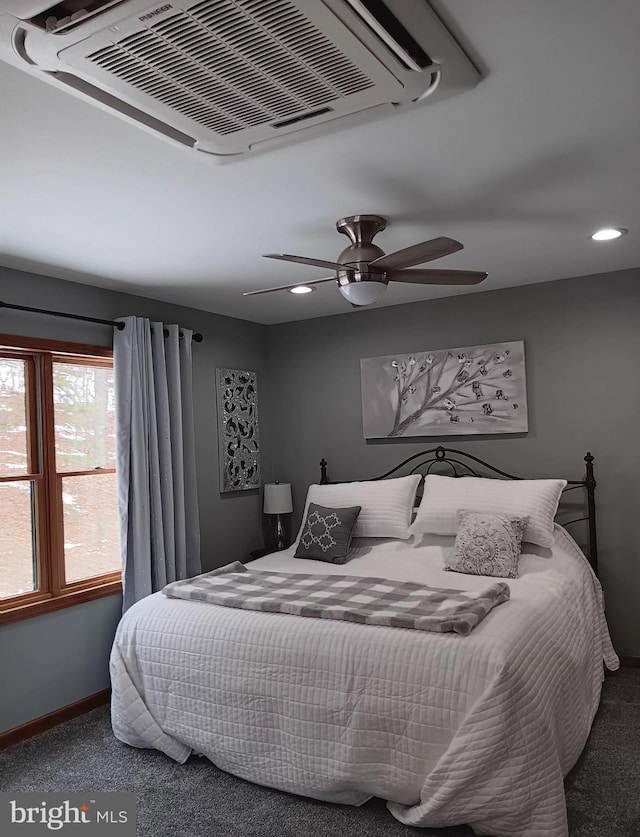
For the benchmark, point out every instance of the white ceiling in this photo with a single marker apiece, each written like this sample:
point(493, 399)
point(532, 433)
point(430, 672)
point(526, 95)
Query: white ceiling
point(521, 169)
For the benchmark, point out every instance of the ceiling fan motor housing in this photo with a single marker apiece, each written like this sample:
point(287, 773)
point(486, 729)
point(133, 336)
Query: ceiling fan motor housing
point(360, 229)
point(360, 285)
point(359, 255)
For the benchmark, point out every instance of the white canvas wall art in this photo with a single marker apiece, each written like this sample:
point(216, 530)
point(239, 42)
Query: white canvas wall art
point(444, 392)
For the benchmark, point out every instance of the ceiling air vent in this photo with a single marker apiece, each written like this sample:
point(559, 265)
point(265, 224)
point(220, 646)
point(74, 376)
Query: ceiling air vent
point(230, 77)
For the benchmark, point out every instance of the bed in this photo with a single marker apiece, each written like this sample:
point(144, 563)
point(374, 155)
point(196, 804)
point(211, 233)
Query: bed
point(449, 729)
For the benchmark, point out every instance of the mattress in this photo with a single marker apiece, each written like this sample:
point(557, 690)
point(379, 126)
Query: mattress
point(449, 729)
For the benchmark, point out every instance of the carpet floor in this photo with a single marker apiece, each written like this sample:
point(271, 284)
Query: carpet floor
point(198, 800)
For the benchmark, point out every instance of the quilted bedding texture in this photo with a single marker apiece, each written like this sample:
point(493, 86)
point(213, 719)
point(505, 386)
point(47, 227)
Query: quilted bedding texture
point(448, 729)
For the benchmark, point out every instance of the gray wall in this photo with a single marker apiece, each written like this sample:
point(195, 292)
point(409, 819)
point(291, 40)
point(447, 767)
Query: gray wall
point(582, 340)
point(52, 660)
point(39, 657)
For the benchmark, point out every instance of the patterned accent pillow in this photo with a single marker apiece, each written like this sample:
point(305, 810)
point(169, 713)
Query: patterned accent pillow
point(326, 533)
point(488, 544)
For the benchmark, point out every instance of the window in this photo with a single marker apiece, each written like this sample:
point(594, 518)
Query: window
point(59, 530)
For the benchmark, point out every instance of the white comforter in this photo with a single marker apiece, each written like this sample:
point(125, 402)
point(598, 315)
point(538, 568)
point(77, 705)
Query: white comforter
point(449, 729)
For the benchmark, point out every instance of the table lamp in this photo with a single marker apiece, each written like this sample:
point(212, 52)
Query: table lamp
point(277, 502)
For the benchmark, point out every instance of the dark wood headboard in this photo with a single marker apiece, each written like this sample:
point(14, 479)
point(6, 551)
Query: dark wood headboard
point(460, 464)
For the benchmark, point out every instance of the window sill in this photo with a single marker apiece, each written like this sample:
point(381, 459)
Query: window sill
point(51, 603)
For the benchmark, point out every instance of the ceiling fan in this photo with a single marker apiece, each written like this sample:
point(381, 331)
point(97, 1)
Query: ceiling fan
point(363, 271)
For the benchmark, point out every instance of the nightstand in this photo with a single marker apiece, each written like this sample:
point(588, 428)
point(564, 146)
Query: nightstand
point(258, 553)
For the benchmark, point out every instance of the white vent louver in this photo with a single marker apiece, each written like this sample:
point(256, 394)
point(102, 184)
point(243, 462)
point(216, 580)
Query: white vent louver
point(232, 76)
point(234, 65)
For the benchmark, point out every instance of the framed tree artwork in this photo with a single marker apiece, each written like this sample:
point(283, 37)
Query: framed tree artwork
point(445, 392)
point(238, 430)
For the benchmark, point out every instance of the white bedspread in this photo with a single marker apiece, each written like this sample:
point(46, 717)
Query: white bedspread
point(449, 729)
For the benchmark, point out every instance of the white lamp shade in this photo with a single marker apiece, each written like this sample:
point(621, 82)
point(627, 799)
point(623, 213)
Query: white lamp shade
point(277, 498)
point(363, 293)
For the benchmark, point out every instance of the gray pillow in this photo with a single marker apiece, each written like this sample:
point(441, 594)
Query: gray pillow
point(326, 533)
point(487, 544)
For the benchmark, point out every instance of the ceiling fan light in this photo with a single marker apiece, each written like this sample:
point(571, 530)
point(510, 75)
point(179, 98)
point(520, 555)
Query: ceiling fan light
point(363, 293)
point(608, 234)
point(301, 289)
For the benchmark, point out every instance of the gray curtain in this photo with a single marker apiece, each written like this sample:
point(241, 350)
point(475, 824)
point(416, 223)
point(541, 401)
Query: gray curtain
point(156, 472)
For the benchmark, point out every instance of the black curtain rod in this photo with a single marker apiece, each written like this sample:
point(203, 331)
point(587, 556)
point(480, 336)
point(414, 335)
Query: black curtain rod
point(197, 337)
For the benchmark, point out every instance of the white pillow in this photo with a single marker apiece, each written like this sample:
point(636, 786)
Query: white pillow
point(386, 506)
point(443, 496)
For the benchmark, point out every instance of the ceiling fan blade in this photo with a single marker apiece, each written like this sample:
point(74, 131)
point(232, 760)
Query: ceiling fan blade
point(304, 260)
point(438, 277)
point(426, 251)
point(288, 287)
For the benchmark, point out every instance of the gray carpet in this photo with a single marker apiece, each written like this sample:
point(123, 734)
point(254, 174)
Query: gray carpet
point(198, 800)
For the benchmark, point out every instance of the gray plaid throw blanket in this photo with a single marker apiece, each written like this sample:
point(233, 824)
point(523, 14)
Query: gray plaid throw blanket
point(370, 601)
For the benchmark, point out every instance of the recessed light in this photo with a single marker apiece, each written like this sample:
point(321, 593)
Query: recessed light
point(301, 289)
point(608, 234)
